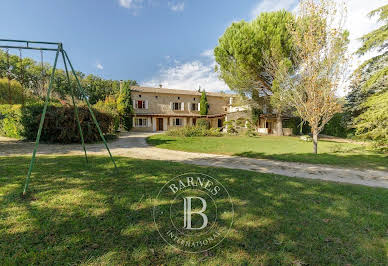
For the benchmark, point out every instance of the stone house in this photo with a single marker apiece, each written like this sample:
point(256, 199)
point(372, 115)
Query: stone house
point(159, 109)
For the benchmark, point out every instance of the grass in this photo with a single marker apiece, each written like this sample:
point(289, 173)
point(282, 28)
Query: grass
point(89, 216)
point(290, 149)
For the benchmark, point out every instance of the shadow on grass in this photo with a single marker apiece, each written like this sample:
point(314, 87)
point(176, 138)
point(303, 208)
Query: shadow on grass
point(157, 142)
point(361, 161)
point(91, 216)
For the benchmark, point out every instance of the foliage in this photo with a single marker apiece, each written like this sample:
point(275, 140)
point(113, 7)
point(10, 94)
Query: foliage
point(336, 126)
point(35, 77)
point(194, 131)
point(10, 120)
point(231, 127)
point(204, 106)
point(298, 125)
point(310, 85)
point(367, 105)
point(124, 105)
point(377, 38)
point(242, 54)
point(59, 126)
point(109, 106)
point(203, 122)
point(366, 81)
point(373, 123)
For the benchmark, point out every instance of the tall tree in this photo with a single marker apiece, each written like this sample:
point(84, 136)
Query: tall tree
point(311, 83)
point(124, 105)
point(204, 105)
point(242, 51)
point(367, 104)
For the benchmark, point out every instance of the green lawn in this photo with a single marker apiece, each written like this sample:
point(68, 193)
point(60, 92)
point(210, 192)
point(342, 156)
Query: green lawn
point(277, 148)
point(93, 217)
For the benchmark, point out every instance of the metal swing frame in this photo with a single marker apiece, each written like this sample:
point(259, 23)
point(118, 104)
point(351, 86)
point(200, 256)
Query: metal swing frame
point(58, 48)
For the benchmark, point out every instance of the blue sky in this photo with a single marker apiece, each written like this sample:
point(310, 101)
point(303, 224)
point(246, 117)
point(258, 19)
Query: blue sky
point(152, 41)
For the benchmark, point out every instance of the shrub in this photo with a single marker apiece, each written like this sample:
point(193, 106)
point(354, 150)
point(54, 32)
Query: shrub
point(194, 131)
point(202, 122)
point(10, 120)
point(60, 125)
point(109, 106)
point(336, 126)
point(15, 93)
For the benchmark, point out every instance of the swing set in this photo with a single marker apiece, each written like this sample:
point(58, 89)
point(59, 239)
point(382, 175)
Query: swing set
point(58, 48)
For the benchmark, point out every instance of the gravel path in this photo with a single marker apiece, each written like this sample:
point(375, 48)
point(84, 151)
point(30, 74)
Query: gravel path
point(134, 145)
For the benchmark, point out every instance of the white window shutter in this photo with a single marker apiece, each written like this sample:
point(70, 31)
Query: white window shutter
point(171, 106)
point(182, 106)
point(199, 106)
point(173, 121)
point(134, 104)
point(189, 106)
point(148, 121)
point(146, 104)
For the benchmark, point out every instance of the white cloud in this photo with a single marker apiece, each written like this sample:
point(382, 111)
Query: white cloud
point(130, 4)
point(270, 5)
point(189, 76)
point(176, 7)
point(99, 66)
point(207, 53)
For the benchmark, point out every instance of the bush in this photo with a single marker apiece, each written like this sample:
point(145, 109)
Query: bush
point(15, 94)
point(60, 125)
point(194, 131)
point(10, 120)
point(202, 122)
point(109, 106)
point(336, 126)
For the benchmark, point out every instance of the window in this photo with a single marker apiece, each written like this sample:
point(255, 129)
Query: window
point(177, 122)
point(179, 98)
point(194, 106)
point(139, 96)
point(194, 99)
point(177, 106)
point(141, 122)
point(140, 104)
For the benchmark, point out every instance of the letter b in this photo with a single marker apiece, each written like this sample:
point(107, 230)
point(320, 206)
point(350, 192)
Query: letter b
point(188, 212)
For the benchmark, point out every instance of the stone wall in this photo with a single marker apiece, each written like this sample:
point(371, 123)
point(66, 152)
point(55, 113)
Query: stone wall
point(161, 103)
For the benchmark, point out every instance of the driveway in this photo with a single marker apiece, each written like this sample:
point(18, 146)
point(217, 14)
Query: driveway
point(134, 145)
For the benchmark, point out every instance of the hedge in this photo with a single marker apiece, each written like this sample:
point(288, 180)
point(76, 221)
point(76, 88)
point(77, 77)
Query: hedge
point(60, 125)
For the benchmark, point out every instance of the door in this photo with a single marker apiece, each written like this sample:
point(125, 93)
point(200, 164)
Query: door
point(194, 121)
point(159, 124)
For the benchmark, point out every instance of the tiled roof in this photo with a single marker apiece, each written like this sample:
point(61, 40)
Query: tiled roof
point(172, 91)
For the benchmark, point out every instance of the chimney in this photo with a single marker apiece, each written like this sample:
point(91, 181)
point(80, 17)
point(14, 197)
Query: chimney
point(160, 85)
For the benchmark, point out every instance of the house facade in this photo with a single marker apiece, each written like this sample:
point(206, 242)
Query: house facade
point(160, 109)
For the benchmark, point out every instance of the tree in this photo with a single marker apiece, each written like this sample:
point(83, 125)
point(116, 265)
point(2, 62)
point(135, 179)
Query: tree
point(204, 106)
point(373, 123)
point(377, 38)
point(319, 57)
point(242, 51)
point(367, 105)
point(124, 105)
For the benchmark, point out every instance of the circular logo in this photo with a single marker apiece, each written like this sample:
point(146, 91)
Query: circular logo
point(193, 212)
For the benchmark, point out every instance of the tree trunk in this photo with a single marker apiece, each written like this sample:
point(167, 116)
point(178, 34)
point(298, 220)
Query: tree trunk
point(279, 125)
point(315, 142)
